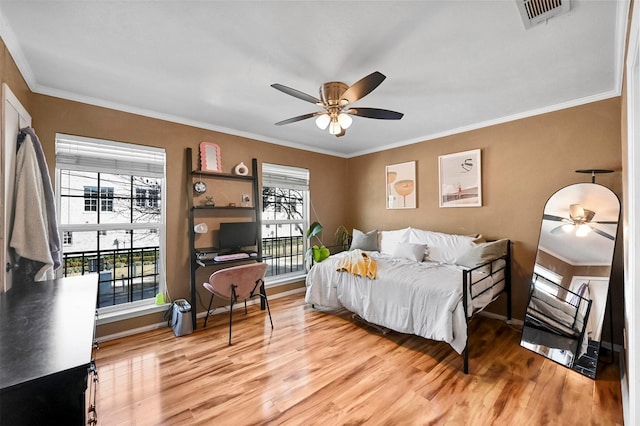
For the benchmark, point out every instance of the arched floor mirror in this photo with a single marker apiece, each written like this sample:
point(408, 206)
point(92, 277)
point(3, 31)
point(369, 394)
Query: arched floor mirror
point(570, 282)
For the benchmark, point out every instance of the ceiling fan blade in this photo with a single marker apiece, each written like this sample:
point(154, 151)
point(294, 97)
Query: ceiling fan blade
point(604, 234)
point(556, 218)
point(558, 230)
point(606, 222)
point(342, 133)
point(588, 215)
point(362, 87)
point(297, 94)
point(381, 114)
point(298, 118)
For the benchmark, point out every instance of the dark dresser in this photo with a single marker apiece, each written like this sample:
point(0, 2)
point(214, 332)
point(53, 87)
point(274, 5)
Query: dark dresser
point(47, 331)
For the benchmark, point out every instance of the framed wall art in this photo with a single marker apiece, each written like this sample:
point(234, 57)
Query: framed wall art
point(460, 179)
point(401, 185)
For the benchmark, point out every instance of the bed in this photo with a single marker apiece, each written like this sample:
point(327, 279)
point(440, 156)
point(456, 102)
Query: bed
point(427, 283)
point(558, 313)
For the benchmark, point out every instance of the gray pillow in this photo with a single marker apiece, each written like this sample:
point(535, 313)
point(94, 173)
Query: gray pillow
point(362, 241)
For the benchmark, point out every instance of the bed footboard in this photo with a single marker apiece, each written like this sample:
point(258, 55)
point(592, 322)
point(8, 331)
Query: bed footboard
point(474, 287)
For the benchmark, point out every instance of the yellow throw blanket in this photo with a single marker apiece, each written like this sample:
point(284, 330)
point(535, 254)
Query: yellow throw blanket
point(358, 263)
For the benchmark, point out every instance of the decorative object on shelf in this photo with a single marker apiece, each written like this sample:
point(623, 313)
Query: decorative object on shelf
point(200, 187)
point(232, 204)
point(200, 228)
point(246, 200)
point(241, 169)
point(210, 158)
point(208, 201)
point(401, 185)
point(460, 179)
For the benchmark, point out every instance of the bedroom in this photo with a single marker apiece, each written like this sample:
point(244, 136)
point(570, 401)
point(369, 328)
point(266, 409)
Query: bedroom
point(524, 161)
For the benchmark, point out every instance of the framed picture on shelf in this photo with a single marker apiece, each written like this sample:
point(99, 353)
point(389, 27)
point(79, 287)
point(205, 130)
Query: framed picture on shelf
point(460, 179)
point(401, 185)
point(210, 159)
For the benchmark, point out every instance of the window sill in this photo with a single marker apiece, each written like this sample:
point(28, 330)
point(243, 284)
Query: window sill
point(276, 281)
point(133, 312)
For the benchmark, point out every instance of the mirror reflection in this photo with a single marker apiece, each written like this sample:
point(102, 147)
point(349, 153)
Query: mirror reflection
point(570, 281)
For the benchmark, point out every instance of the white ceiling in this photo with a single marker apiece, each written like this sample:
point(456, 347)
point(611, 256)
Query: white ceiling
point(451, 66)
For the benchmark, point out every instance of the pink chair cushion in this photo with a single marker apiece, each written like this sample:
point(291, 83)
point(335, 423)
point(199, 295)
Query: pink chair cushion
point(243, 276)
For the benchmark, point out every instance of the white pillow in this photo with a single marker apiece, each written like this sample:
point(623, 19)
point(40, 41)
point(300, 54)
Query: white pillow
point(410, 251)
point(445, 248)
point(478, 254)
point(389, 239)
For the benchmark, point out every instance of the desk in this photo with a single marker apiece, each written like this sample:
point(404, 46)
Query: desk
point(46, 339)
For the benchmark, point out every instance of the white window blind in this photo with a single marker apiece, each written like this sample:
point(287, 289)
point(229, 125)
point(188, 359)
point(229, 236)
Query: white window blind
point(97, 155)
point(279, 176)
point(546, 273)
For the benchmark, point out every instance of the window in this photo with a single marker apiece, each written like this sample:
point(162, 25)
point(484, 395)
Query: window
point(148, 197)
point(544, 279)
point(91, 199)
point(67, 237)
point(285, 213)
point(141, 197)
point(123, 239)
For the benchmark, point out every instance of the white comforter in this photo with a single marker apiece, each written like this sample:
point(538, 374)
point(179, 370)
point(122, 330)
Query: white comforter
point(409, 297)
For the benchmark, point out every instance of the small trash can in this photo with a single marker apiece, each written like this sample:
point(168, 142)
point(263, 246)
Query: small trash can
point(181, 318)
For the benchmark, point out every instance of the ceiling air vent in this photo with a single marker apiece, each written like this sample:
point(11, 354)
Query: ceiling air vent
point(534, 12)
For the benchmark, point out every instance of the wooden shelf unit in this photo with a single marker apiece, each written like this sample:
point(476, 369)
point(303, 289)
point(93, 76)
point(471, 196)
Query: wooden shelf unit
point(194, 264)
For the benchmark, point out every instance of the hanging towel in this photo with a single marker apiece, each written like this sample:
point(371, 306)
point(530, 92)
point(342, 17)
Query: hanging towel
point(30, 233)
point(359, 263)
point(52, 218)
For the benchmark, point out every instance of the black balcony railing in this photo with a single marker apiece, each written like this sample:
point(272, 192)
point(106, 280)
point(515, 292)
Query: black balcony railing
point(283, 255)
point(131, 274)
point(125, 275)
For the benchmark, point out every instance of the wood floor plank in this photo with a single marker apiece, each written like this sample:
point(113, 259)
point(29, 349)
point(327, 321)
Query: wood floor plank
point(319, 367)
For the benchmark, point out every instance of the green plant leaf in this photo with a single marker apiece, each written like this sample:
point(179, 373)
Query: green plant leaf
point(314, 229)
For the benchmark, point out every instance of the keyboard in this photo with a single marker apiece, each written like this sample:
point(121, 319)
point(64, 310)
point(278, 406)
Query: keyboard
point(232, 256)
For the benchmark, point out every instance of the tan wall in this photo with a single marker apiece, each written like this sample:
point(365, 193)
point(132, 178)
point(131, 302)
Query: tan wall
point(523, 163)
point(10, 74)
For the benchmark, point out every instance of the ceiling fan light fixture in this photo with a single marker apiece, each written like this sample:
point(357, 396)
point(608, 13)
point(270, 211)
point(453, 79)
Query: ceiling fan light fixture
point(583, 230)
point(345, 120)
point(567, 228)
point(323, 121)
point(334, 127)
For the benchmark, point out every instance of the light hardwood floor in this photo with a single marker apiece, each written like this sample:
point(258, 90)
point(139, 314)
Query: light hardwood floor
point(324, 368)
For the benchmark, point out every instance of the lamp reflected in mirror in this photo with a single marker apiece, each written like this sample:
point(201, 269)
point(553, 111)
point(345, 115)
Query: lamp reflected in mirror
point(570, 283)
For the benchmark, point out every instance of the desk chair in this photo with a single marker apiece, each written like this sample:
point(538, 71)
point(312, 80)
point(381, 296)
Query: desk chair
point(238, 283)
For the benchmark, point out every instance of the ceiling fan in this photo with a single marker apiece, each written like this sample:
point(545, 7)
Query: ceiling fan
point(335, 100)
point(581, 220)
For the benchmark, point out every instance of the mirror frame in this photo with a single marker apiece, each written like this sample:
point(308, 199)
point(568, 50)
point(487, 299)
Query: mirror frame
point(210, 158)
point(538, 329)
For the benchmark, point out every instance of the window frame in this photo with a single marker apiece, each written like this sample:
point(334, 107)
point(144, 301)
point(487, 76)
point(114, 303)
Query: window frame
point(106, 201)
point(297, 185)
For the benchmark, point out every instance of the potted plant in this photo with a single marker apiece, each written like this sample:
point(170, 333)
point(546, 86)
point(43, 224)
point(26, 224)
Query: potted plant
point(317, 252)
point(341, 237)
